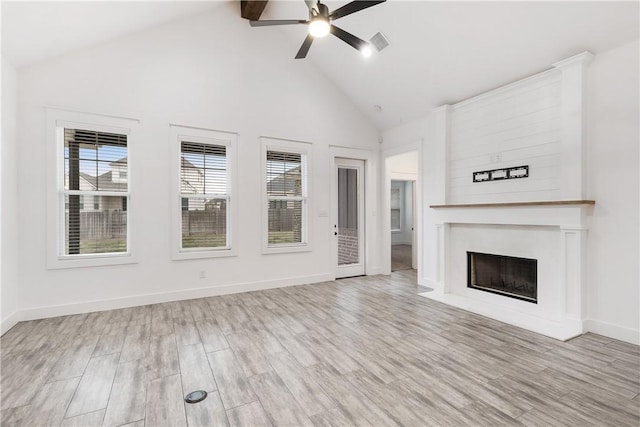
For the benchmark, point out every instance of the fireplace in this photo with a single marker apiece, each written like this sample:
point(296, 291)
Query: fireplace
point(504, 275)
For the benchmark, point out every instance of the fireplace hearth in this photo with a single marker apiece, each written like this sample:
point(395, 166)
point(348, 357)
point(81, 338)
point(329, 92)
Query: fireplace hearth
point(504, 275)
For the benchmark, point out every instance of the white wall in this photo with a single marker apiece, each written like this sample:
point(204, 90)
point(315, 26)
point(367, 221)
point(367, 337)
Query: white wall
point(421, 130)
point(212, 71)
point(612, 168)
point(514, 126)
point(613, 300)
point(8, 198)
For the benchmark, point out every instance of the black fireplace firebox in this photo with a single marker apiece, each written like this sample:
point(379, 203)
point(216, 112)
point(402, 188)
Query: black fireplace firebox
point(509, 276)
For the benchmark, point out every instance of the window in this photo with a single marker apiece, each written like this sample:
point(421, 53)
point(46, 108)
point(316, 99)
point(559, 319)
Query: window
point(396, 203)
point(203, 190)
point(286, 191)
point(203, 197)
point(91, 159)
point(88, 189)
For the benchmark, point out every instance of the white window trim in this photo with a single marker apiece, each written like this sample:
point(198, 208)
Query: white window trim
point(287, 146)
point(179, 133)
point(57, 119)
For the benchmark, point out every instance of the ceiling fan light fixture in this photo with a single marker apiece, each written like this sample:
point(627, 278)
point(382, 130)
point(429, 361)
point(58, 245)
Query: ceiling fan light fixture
point(319, 27)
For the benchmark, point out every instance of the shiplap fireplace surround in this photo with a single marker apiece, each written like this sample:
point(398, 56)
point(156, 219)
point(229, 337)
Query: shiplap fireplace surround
point(538, 121)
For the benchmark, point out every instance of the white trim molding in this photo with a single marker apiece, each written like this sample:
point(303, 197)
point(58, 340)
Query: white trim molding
point(574, 121)
point(179, 134)
point(33, 313)
point(10, 321)
point(539, 230)
point(305, 150)
point(371, 194)
point(56, 120)
point(561, 319)
point(612, 330)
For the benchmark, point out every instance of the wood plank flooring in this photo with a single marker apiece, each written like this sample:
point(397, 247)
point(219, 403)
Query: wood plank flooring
point(364, 351)
point(401, 256)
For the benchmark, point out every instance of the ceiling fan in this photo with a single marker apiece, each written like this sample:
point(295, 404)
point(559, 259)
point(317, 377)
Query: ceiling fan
point(320, 24)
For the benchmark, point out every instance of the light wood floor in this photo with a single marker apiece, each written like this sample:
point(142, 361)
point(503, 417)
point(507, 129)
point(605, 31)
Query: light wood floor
point(401, 257)
point(363, 351)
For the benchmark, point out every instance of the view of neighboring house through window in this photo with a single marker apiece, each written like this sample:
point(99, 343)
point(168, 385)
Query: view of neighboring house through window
point(95, 193)
point(204, 195)
point(287, 197)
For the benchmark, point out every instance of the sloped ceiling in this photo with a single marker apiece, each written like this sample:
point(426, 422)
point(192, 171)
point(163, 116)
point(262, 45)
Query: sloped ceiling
point(35, 31)
point(441, 52)
point(444, 52)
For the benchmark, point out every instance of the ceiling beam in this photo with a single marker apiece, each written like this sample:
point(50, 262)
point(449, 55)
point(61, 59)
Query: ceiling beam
point(252, 9)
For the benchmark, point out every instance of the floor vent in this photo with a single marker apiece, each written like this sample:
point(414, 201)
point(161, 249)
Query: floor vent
point(196, 396)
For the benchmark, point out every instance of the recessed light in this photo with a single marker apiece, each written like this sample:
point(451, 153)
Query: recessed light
point(377, 108)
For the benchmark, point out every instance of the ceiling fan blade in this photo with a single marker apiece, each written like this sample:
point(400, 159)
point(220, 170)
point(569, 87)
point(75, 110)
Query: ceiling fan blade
point(312, 4)
point(348, 38)
point(354, 6)
point(306, 44)
point(267, 23)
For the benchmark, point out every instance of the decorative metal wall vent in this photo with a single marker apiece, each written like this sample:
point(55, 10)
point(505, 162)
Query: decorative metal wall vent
point(500, 174)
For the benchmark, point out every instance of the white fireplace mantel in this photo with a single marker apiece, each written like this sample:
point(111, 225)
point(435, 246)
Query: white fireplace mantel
point(563, 213)
point(568, 218)
point(538, 121)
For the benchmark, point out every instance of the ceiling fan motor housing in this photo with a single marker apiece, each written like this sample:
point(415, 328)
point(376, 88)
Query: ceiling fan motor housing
point(323, 11)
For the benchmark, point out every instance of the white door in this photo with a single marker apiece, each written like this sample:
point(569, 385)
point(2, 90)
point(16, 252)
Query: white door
point(348, 229)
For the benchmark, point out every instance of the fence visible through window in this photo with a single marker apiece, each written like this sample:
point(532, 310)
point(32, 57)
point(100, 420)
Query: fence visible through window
point(286, 195)
point(204, 195)
point(95, 192)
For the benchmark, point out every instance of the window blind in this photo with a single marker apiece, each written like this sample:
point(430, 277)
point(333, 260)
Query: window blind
point(286, 194)
point(204, 195)
point(203, 168)
point(95, 192)
point(284, 174)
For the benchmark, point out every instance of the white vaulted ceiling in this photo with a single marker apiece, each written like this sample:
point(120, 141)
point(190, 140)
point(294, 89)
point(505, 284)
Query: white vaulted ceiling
point(34, 31)
point(441, 52)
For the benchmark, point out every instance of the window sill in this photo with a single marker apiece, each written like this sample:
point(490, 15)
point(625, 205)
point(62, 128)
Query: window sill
point(283, 249)
point(203, 254)
point(83, 261)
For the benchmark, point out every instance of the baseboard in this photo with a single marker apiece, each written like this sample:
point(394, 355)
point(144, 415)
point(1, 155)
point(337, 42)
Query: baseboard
point(10, 321)
point(561, 329)
point(612, 330)
point(425, 281)
point(186, 294)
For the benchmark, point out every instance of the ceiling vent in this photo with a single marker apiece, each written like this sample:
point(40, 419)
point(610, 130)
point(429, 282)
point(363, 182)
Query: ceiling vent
point(379, 41)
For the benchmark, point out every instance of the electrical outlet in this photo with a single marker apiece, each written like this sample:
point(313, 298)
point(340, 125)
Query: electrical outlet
point(203, 274)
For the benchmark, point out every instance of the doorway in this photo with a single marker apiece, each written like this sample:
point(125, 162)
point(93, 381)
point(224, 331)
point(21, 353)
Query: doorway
point(402, 174)
point(349, 225)
point(402, 212)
